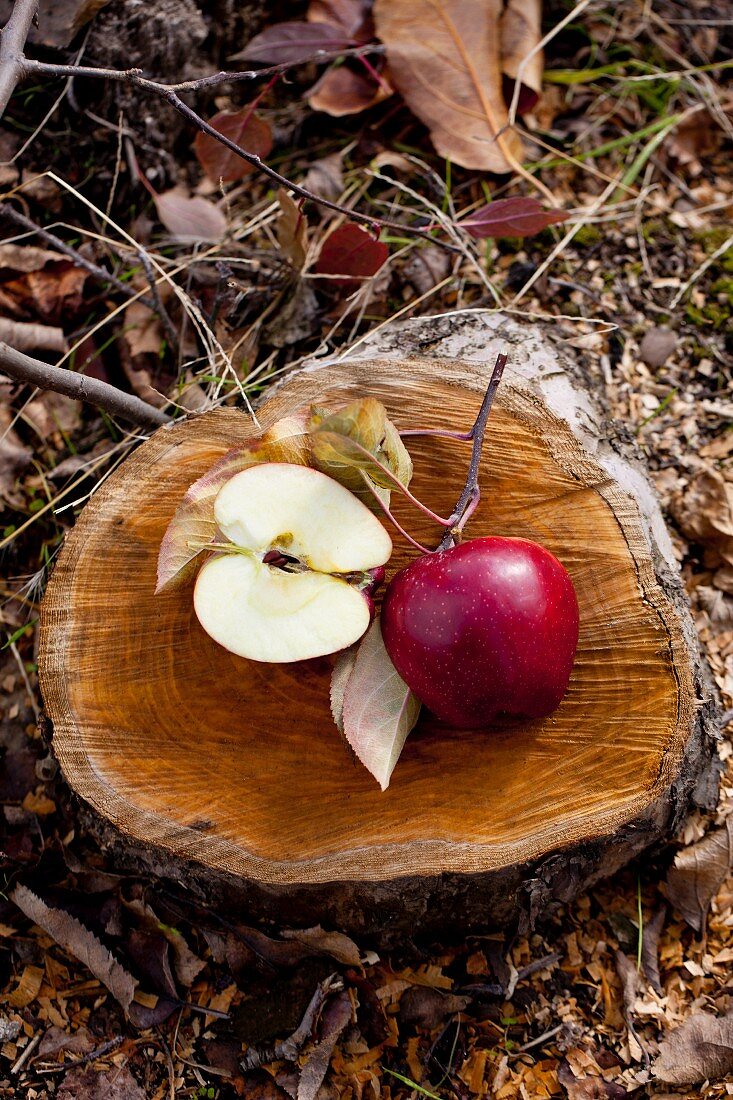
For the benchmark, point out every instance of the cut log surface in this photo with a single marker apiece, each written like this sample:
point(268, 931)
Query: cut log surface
point(231, 775)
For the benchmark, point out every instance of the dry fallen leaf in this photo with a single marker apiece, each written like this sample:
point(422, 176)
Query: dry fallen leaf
point(347, 90)
point(588, 1088)
point(190, 217)
point(90, 1084)
point(379, 708)
point(14, 456)
point(650, 948)
point(244, 128)
point(292, 230)
point(70, 934)
point(704, 511)
point(294, 42)
point(698, 873)
point(336, 1015)
point(336, 944)
point(701, 1049)
point(351, 253)
point(444, 60)
point(521, 30)
point(517, 217)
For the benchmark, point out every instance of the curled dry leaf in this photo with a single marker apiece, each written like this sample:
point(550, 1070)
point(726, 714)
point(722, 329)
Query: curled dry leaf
point(704, 511)
point(348, 90)
point(190, 217)
point(29, 336)
point(193, 524)
point(71, 934)
point(336, 944)
point(521, 30)
point(650, 948)
point(334, 1018)
point(292, 230)
point(244, 128)
point(379, 708)
point(588, 1088)
point(701, 1049)
point(294, 42)
point(351, 17)
point(698, 874)
point(445, 62)
point(518, 217)
point(352, 253)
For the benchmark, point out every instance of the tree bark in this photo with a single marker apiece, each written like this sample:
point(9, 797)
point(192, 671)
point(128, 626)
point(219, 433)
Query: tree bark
point(228, 776)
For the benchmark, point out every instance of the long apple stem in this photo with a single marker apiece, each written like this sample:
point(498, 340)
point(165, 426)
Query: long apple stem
point(468, 500)
point(418, 545)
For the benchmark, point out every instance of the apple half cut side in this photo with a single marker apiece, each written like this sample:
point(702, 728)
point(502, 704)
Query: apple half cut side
point(260, 610)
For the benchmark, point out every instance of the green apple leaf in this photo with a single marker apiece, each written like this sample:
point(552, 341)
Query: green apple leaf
point(379, 710)
point(360, 438)
point(193, 524)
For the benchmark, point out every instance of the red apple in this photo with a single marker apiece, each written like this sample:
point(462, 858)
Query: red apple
point(487, 627)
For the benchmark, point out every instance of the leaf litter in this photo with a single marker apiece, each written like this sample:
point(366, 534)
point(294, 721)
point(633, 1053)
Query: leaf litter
point(570, 1008)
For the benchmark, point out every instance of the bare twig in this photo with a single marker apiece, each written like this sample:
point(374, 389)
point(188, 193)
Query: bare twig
point(32, 371)
point(12, 42)
point(99, 273)
point(289, 1049)
point(85, 1060)
point(470, 495)
point(169, 93)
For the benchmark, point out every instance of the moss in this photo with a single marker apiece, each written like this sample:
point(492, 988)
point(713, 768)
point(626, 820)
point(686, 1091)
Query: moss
point(651, 229)
point(713, 238)
point(588, 235)
point(724, 288)
point(712, 313)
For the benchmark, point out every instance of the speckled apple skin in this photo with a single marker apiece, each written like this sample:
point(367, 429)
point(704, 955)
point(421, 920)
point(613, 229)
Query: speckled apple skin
point(488, 627)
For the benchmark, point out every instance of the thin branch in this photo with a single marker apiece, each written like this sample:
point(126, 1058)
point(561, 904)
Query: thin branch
point(469, 497)
point(289, 1049)
point(168, 92)
point(22, 368)
point(99, 273)
point(12, 41)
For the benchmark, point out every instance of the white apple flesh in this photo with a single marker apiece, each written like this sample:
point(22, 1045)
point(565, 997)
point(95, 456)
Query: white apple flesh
point(266, 613)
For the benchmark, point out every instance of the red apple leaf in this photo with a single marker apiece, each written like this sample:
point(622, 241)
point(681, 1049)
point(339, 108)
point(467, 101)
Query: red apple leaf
point(294, 42)
point(190, 218)
point(193, 525)
point(244, 128)
point(517, 217)
point(351, 253)
point(379, 709)
point(292, 230)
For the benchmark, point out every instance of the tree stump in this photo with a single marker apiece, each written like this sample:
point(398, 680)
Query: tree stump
point(230, 776)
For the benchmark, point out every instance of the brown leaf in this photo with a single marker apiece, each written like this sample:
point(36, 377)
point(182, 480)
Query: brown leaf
point(701, 1049)
point(89, 1084)
point(186, 964)
point(339, 679)
point(698, 873)
point(650, 948)
point(70, 934)
point(351, 17)
point(588, 1088)
point(294, 42)
point(14, 456)
point(444, 60)
point(59, 20)
point(190, 217)
point(56, 1039)
point(422, 1007)
point(292, 230)
point(325, 177)
point(379, 708)
point(25, 257)
point(335, 944)
point(244, 128)
point(521, 30)
point(27, 989)
point(704, 511)
point(143, 331)
point(336, 1015)
point(347, 90)
point(518, 217)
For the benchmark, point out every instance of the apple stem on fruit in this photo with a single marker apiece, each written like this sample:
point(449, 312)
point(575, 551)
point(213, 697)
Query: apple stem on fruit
point(391, 517)
point(469, 498)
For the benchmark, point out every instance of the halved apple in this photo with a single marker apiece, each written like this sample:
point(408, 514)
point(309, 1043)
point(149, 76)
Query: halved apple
point(266, 612)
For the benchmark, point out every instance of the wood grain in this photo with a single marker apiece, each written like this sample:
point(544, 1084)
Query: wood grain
point(238, 765)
